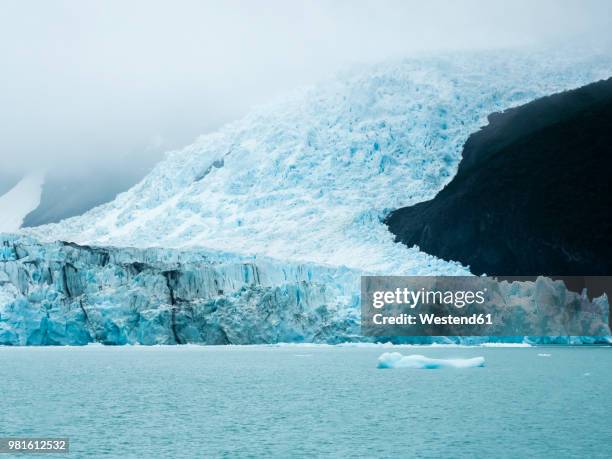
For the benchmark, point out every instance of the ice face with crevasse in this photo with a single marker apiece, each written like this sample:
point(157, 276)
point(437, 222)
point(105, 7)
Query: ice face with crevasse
point(62, 293)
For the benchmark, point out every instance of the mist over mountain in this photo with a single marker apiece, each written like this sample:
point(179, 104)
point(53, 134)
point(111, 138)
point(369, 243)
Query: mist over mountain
point(86, 84)
point(8, 181)
point(68, 195)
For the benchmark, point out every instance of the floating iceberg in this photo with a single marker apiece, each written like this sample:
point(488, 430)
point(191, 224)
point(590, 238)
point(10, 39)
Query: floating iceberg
point(397, 360)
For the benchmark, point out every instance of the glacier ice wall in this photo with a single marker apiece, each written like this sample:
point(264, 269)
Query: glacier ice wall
point(63, 293)
point(309, 178)
point(66, 294)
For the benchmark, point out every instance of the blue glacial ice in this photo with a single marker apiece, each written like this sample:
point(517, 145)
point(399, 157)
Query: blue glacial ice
point(415, 361)
point(258, 233)
point(62, 293)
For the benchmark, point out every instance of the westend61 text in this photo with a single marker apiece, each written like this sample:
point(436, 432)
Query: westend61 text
point(432, 319)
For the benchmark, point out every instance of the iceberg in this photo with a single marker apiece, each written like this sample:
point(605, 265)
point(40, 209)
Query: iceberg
point(415, 361)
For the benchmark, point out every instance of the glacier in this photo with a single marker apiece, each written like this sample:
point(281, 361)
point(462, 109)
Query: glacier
point(62, 293)
point(309, 178)
point(258, 233)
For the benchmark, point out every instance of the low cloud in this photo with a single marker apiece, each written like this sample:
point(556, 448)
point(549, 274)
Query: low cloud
point(118, 83)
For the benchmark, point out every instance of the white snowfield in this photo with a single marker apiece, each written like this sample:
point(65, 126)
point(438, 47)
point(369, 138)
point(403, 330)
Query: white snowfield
point(19, 201)
point(310, 178)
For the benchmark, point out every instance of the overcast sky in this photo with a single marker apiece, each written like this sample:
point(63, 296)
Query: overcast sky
point(119, 82)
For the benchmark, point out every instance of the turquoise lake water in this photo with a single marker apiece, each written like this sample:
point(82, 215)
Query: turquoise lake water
point(300, 401)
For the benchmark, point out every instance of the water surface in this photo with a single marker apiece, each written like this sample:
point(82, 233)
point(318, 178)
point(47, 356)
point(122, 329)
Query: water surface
point(300, 401)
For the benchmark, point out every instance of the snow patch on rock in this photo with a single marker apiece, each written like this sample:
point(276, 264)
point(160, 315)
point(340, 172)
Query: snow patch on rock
point(20, 200)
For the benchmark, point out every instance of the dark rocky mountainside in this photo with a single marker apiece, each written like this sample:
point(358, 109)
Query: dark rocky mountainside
point(532, 194)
